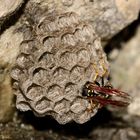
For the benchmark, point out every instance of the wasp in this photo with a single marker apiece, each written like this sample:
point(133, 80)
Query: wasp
point(104, 94)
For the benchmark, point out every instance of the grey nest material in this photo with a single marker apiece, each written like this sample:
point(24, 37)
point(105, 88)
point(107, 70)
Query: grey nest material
point(58, 55)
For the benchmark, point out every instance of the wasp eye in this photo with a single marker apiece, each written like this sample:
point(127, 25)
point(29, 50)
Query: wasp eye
point(85, 92)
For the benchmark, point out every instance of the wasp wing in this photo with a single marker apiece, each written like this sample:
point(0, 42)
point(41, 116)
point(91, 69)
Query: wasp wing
point(112, 92)
point(104, 102)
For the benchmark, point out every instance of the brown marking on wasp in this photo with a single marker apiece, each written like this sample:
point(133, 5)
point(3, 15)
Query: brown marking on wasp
point(100, 95)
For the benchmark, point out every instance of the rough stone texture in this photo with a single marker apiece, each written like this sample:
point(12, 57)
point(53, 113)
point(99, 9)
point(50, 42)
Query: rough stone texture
point(115, 134)
point(107, 17)
point(6, 96)
point(9, 42)
point(125, 68)
point(57, 57)
point(9, 45)
point(107, 129)
point(8, 7)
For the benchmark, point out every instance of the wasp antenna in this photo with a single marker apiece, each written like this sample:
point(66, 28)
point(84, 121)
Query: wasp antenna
point(102, 81)
point(97, 83)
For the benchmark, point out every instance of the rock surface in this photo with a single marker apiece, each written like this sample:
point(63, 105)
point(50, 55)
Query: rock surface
point(8, 8)
point(125, 70)
point(9, 43)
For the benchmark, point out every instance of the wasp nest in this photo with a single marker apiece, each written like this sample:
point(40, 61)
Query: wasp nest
point(58, 55)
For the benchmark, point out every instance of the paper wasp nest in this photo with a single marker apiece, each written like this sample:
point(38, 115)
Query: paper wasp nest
point(58, 55)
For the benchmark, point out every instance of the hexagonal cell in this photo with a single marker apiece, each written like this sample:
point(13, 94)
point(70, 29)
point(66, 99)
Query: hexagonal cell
point(69, 39)
point(63, 22)
point(89, 33)
point(76, 74)
point(24, 60)
point(41, 76)
point(55, 93)
point(84, 116)
point(79, 105)
point(60, 76)
point(21, 102)
point(35, 92)
point(83, 57)
point(51, 27)
point(49, 43)
point(79, 36)
point(43, 105)
point(93, 54)
point(25, 85)
point(17, 74)
point(45, 25)
point(46, 60)
point(90, 72)
point(62, 106)
point(68, 60)
point(64, 118)
point(70, 92)
point(27, 46)
point(23, 106)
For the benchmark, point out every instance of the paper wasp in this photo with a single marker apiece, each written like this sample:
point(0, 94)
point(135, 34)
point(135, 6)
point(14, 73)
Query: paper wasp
point(104, 94)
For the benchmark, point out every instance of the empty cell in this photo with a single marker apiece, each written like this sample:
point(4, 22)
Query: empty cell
point(46, 60)
point(50, 42)
point(47, 26)
point(76, 74)
point(89, 33)
point(90, 73)
point(79, 35)
point(60, 76)
point(63, 22)
point(68, 60)
point(84, 116)
point(24, 61)
point(66, 21)
point(17, 73)
point(43, 105)
point(34, 92)
point(27, 46)
point(70, 92)
point(69, 40)
point(79, 105)
point(41, 76)
point(54, 93)
point(62, 106)
point(83, 57)
point(21, 102)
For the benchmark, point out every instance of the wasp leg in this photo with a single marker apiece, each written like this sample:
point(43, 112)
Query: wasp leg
point(92, 105)
point(106, 72)
point(96, 73)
